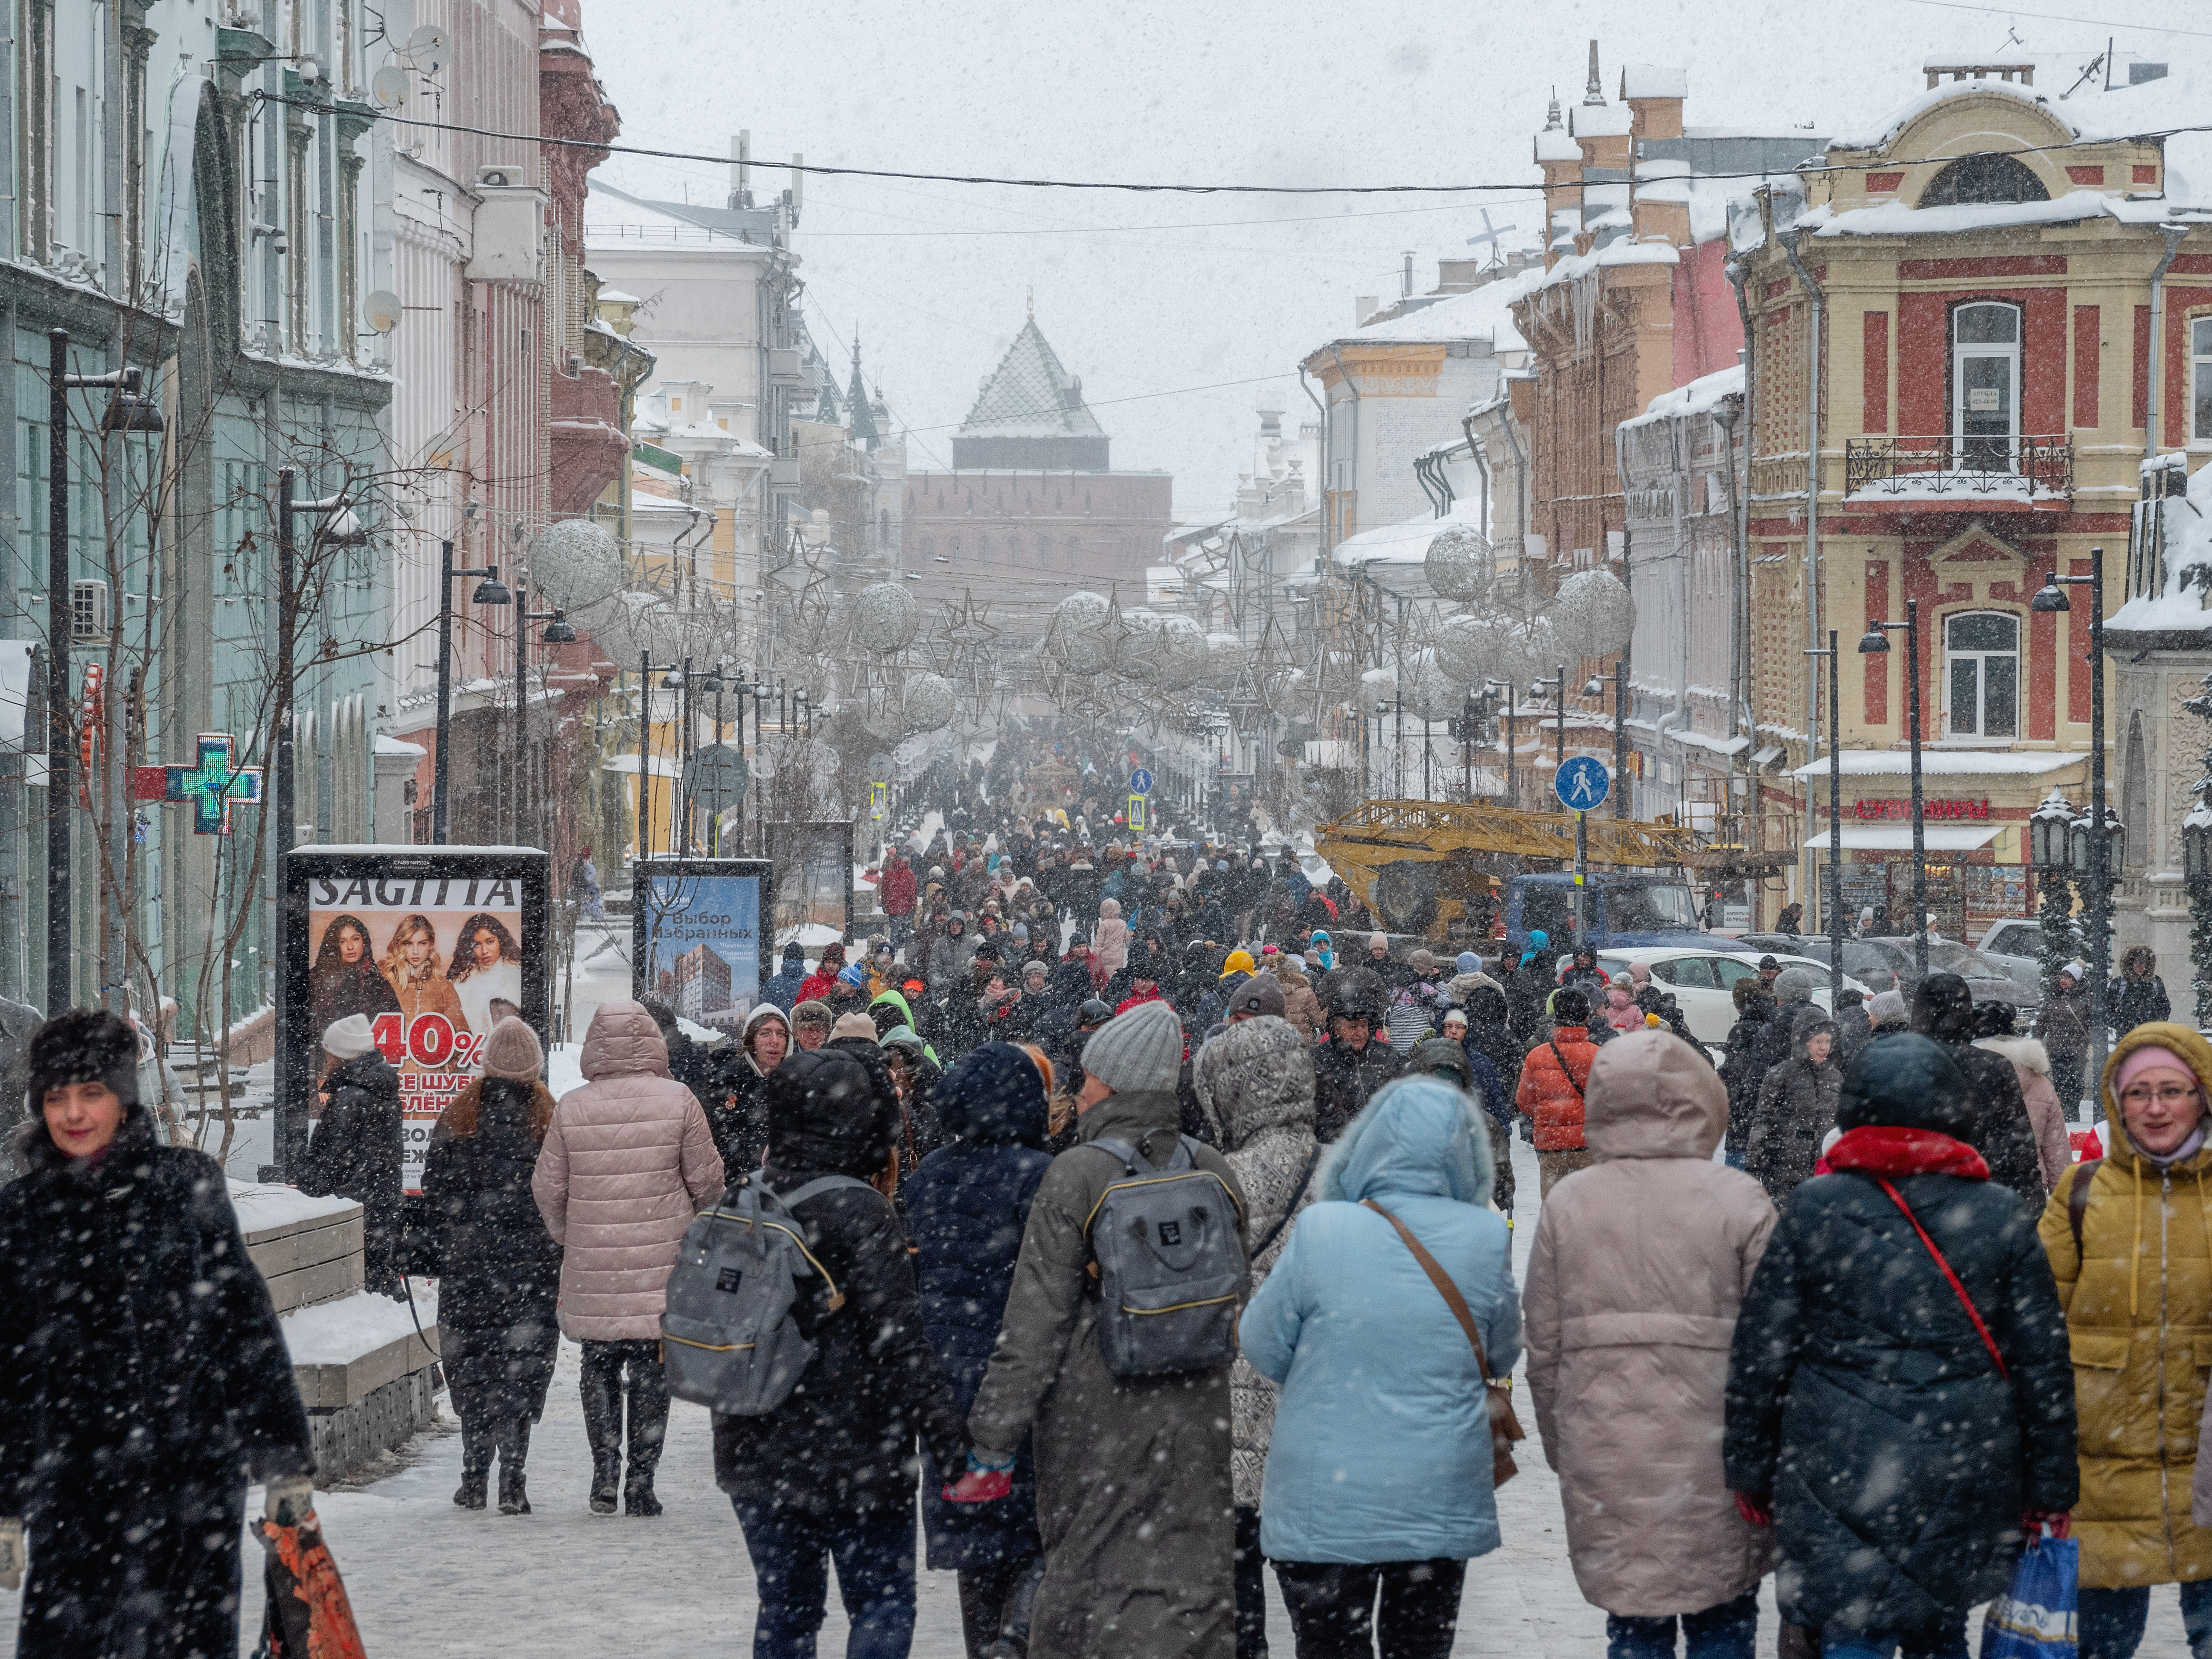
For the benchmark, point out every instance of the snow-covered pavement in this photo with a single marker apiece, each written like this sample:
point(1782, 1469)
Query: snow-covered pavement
point(428, 1579)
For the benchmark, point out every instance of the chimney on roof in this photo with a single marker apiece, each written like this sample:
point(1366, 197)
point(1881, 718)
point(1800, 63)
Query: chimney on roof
point(1594, 94)
point(1363, 307)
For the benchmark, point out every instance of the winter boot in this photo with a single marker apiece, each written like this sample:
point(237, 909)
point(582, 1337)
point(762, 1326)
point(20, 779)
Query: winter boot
point(476, 1463)
point(649, 1425)
point(602, 1427)
point(513, 1449)
point(1013, 1641)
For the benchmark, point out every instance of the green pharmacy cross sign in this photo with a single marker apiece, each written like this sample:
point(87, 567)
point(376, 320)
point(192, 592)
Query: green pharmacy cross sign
point(213, 787)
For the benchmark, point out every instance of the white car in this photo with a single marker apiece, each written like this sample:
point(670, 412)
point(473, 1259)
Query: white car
point(1704, 982)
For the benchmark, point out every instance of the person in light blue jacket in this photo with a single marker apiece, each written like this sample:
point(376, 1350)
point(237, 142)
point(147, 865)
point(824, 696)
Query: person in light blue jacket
point(1379, 1467)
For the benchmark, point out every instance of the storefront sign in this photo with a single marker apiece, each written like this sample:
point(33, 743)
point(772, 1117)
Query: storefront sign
point(1931, 812)
point(434, 946)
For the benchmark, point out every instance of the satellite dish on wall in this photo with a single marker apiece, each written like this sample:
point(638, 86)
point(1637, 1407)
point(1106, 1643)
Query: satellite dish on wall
point(381, 310)
point(430, 47)
point(389, 85)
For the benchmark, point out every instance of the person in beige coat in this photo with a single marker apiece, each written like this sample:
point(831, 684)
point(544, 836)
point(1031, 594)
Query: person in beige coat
point(628, 1162)
point(1636, 1271)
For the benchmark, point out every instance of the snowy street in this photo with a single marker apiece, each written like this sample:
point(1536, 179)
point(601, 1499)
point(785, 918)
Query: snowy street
point(426, 1578)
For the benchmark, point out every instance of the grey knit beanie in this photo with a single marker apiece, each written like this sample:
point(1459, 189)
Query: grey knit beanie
point(1138, 1052)
point(512, 1052)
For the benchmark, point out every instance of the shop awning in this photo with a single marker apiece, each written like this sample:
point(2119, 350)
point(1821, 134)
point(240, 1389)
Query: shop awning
point(1897, 837)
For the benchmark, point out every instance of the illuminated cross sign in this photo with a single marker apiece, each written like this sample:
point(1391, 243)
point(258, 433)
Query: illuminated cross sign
point(213, 787)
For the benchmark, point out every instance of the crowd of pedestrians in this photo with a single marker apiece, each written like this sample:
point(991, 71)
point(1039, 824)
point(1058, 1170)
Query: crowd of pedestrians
point(1172, 1247)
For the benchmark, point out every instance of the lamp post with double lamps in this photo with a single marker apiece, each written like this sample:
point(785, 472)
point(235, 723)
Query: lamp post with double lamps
point(2096, 835)
point(1831, 902)
point(489, 591)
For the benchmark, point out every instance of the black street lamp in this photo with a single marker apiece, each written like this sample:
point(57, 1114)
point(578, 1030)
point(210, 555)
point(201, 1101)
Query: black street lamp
point(2096, 835)
point(129, 410)
point(1831, 902)
point(1618, 680)
point(1876, 643)
point(490, 591)
point(558, 632)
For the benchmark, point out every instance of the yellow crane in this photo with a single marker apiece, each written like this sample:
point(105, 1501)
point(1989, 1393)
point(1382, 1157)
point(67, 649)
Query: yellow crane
point(1419, 862)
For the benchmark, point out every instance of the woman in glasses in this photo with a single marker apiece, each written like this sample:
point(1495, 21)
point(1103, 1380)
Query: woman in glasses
point(2129, 1239)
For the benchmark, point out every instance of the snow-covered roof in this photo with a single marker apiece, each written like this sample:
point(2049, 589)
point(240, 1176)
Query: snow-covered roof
point(615, 296)
point(2180, 606)
point(1484, 313)
point(1654, 81)
point(1700, 396)
point(1899, 219)
point(1620, 252)
point(1874, 137)
point(1404, 543)
point(1557, 144)
point(1940, 763)
point(1030, 395)
point(1600, 121)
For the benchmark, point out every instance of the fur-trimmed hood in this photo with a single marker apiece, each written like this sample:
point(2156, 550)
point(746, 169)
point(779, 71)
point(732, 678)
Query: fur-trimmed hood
point(2026, 1052)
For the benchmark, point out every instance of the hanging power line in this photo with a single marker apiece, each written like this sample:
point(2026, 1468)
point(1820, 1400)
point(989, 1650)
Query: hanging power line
point(2061, 17)
point(1520, 187)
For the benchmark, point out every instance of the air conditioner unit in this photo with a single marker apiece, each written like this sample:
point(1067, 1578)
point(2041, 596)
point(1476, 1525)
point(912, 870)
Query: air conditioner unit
point(88, 610)
point(507, 241)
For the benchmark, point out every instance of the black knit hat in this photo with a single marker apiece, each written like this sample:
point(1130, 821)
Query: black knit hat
point(85, 1045)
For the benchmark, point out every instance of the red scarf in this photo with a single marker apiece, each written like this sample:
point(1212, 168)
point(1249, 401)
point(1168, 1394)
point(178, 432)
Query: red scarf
point(1888, 1149)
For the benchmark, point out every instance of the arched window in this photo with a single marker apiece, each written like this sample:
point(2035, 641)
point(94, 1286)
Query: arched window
point(1985, 383)
point(1991, 176)
point(1982, 651)
point(1074, 552)
point(983, 548)
point(1014, 549)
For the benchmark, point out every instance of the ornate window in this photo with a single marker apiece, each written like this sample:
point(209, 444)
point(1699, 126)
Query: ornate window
point(1991, 176)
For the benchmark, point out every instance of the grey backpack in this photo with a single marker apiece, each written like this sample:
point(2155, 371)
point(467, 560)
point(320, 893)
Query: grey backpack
point(1171, 1263)
point(728, 1340)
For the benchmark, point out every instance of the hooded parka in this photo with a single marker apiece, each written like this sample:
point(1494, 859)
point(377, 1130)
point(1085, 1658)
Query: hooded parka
point(627, 1164)
point(1862, 1405)
point(2138, 1300)
point(1943, 1008)
point(1638, 1268)
point(1796, 1107)
point(355, 1153)
point(1133, 1492)
point(1261, 1090)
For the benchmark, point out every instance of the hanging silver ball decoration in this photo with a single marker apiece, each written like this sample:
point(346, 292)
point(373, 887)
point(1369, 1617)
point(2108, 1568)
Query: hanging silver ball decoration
point(574, 563)
point(1140, 654)
point(1594, 614)
point(1182, 652)
point(1431, 690)
point(931, 701)
point(1226, 659)
point(1459, 565)
point(1464, 647)
point(885, 617)
point(1079, 632)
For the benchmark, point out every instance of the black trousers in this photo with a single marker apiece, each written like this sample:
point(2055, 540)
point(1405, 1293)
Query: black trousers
point(1332, 1608)
point(983, 1593)
point(117, 1573)
point(1251, 1588)
point(612, 1371)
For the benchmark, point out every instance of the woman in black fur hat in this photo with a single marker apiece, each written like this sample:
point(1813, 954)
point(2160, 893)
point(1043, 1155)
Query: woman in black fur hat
point(143, 1378)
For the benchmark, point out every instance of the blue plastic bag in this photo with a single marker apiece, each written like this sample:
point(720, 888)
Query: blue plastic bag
point(2034, 1618)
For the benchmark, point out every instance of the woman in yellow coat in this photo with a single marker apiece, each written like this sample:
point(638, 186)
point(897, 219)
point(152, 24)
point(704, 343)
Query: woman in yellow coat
point(2138, 1292)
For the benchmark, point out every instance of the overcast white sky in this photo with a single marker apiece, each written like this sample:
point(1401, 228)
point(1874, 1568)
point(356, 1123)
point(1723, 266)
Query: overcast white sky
point(1162, 293)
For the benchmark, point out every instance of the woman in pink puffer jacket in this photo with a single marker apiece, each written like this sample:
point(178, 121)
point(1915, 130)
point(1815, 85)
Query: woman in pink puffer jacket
point(627, 1164)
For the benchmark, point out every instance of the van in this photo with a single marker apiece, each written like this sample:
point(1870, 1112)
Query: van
point(1618, 908)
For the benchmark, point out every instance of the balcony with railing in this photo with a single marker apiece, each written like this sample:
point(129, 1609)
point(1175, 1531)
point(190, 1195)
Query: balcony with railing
point(1985, 473)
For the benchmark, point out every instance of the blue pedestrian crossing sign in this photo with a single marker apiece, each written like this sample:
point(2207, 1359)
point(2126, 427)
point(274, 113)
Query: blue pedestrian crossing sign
point(1582, 783)
point(1140, 782)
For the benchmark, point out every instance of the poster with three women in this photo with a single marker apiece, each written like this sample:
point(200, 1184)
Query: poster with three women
point(433, 945)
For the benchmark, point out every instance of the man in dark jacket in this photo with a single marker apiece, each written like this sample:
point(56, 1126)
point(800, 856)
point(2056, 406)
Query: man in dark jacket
point(1943, 1008)
point(1797, 1108)
point(966, 1209)
point(1868, 1422)
point(782, 988)
point(1354, 1062)
point(1133, 1492)
point(1854, 1030)
point(826, 1473)
point(355, 1151)
point(143, 1376)
point(2138, 995)
point(1745, 1067)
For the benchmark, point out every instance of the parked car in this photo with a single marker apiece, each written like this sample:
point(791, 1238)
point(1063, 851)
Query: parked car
point(2022, 936)
point(1888, 963)
point(1620, 911)
point(1704, 982)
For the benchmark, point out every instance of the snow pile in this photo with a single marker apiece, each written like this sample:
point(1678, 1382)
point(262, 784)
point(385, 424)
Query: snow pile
point(1484, 313)
point(2181, 604)
point(1404, 543)
point(262, 1209)
point(1701, 396)
point(338, 1333)
point(1897, 219)
point(1904, 115)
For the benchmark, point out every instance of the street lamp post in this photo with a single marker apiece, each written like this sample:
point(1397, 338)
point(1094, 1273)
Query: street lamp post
point(1618, 680)
point(1831, 905)
point(558, 632)
point(2093, 835)
point(1876, 643)
point(647, 668)
point(490, 591)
